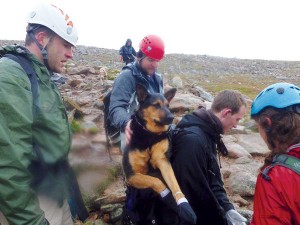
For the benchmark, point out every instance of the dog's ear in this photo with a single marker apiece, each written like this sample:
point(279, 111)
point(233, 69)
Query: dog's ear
point(141, 92)
point(169, 94)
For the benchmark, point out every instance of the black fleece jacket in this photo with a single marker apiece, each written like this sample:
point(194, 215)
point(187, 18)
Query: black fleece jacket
point(196, 167)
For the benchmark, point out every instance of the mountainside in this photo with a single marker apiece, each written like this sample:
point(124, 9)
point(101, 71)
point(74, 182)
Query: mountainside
point(181, 64)
point(87, 79)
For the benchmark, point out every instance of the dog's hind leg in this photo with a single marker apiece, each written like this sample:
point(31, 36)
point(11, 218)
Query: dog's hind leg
point(160, 161)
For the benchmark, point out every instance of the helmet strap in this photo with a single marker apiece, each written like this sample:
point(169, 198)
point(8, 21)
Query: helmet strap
point(140, 59)
point(42, 49)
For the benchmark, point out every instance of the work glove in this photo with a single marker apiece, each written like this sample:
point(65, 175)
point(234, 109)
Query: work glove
point(183, 208)
point(186, 213)
point(235, 218)
point(169, 200)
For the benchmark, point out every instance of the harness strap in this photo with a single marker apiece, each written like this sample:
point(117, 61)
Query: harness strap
point(27, 67)
point(284, 160)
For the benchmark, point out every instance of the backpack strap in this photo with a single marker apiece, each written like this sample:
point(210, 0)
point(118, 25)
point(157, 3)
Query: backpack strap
point(285, 160)
point(28, 68)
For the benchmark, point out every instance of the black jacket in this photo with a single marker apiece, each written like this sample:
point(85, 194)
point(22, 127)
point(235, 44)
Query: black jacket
point(127, 52)
point(196, 167)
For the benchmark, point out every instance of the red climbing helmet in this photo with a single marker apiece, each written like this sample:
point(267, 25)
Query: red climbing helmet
point(153, 47)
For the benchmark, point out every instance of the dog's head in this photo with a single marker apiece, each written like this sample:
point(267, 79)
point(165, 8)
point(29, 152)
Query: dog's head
point(153, 109)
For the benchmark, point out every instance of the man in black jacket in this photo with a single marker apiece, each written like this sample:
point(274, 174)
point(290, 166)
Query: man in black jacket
point(127, 52)
point(195, 161)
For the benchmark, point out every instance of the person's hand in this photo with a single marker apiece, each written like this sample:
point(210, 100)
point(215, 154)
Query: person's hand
point(128, 133)
point(186, 213)
point(235, 218)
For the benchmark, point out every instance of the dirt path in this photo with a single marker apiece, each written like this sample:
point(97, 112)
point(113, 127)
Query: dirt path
point(91, 161)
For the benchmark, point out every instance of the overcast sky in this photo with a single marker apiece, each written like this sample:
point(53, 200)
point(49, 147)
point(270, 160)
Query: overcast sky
point(253, 29)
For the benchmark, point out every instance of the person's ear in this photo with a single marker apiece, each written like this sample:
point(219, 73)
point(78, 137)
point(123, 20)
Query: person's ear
point(268, 124)
point(42, 38)
point(226, 112)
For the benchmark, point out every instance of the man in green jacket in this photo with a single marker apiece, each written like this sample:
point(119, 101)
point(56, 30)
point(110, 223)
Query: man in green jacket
point(36, 181)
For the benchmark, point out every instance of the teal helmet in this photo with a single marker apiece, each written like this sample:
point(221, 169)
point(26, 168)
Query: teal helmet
point(279, 95)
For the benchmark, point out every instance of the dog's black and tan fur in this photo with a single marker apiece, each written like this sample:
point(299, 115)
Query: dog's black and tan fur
point(148, 149)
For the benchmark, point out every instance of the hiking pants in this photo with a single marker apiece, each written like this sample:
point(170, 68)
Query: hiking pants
point(53, 213)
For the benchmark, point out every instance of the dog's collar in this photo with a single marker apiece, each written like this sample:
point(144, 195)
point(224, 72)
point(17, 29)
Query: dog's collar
point(145, 129)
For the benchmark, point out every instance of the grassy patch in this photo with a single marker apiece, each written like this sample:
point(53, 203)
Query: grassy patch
point(246, 84)
point(93, 130)
point(112, 74)
point(75, 126)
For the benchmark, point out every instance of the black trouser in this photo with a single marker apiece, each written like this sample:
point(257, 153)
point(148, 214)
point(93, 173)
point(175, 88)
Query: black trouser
point(149, 209)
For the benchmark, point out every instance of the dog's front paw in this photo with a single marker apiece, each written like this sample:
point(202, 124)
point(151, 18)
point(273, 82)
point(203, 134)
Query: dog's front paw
point(186, 213)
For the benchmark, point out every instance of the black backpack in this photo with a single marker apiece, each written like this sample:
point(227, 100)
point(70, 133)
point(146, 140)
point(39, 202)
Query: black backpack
point(111, 131)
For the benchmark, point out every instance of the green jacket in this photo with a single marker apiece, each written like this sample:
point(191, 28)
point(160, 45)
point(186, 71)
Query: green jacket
point(19, 129)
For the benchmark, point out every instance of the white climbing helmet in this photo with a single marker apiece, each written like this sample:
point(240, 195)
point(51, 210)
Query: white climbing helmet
point(55, 19)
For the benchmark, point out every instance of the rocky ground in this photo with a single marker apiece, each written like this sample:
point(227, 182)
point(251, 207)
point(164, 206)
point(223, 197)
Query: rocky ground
point(197, 77)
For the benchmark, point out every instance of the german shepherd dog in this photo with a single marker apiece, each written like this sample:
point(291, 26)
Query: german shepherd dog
point(148, 150)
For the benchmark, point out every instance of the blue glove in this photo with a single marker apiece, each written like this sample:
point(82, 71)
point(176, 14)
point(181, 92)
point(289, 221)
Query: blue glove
point(186, 213)
point(235, 218)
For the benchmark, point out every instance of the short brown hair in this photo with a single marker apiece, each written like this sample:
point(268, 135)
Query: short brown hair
point(231, 99)
point(36, 28)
